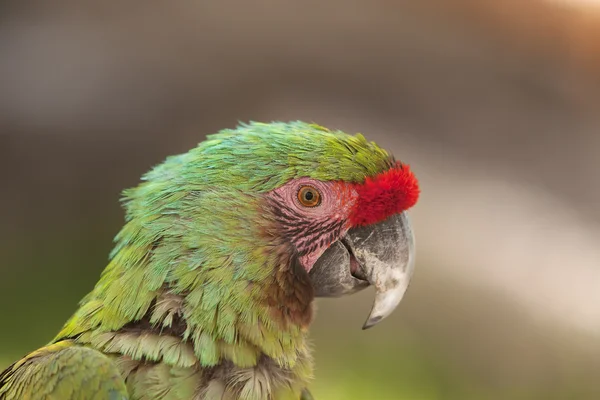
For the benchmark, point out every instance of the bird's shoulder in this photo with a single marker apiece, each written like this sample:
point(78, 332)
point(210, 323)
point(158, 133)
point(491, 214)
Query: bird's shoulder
point(63, 371)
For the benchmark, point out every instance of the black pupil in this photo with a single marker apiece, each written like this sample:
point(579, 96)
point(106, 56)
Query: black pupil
point(308, 195)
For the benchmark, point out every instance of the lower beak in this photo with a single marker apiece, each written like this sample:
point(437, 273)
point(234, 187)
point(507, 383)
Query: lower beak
point(381, 255)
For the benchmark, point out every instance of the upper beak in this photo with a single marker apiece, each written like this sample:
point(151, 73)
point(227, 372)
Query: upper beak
point(381, 255)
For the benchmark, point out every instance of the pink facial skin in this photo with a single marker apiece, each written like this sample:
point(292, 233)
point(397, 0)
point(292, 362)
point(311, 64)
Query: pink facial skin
point(311, 230)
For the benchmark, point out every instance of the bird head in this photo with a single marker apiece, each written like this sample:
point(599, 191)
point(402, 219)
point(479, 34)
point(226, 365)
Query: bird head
point(351, 233)
point(268, 215)
point(332, 204)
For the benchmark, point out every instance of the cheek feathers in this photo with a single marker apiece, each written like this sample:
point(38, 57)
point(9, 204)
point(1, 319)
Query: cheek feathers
point(383, 195)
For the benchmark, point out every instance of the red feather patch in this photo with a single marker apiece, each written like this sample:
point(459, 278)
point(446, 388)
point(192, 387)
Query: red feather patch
point(386, 194)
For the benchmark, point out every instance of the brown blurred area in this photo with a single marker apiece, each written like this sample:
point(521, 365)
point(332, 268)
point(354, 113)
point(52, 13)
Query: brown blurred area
point(495, 104)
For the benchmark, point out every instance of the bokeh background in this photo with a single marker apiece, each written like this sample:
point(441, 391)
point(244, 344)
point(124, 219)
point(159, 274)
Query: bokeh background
point(495, 104)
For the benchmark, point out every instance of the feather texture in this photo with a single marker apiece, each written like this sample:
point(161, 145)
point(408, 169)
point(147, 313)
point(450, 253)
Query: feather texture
point(202, 298)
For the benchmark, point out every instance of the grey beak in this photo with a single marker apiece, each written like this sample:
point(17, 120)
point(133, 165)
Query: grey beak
point(381, 255)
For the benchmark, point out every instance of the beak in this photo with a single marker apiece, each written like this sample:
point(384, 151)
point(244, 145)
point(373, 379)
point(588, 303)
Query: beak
point(381, 255)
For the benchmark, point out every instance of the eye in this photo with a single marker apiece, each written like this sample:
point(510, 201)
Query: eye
point(309, 196)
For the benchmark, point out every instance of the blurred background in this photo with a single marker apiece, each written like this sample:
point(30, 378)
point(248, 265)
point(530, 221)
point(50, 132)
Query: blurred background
point(495, 104)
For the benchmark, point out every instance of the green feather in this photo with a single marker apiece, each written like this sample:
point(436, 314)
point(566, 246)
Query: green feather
point(193, 251)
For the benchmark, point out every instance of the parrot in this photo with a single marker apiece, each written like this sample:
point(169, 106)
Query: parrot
point(209, 289)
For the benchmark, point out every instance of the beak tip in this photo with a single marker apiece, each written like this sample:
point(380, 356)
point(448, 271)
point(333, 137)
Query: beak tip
point(371, 322)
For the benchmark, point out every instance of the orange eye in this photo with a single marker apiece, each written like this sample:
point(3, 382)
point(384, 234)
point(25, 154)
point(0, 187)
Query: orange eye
point(309, 196)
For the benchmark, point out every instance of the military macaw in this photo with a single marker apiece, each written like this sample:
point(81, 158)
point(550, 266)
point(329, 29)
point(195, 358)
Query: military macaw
point(209, 290)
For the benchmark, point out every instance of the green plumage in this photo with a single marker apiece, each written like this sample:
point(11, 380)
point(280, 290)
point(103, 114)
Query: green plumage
point(63, 371)
point(183, 307)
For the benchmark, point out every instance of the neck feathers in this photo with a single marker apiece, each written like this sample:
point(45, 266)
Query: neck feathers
point(208, 305)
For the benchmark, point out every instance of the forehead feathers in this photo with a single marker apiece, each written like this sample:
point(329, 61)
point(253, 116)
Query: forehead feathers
point(262, 156)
